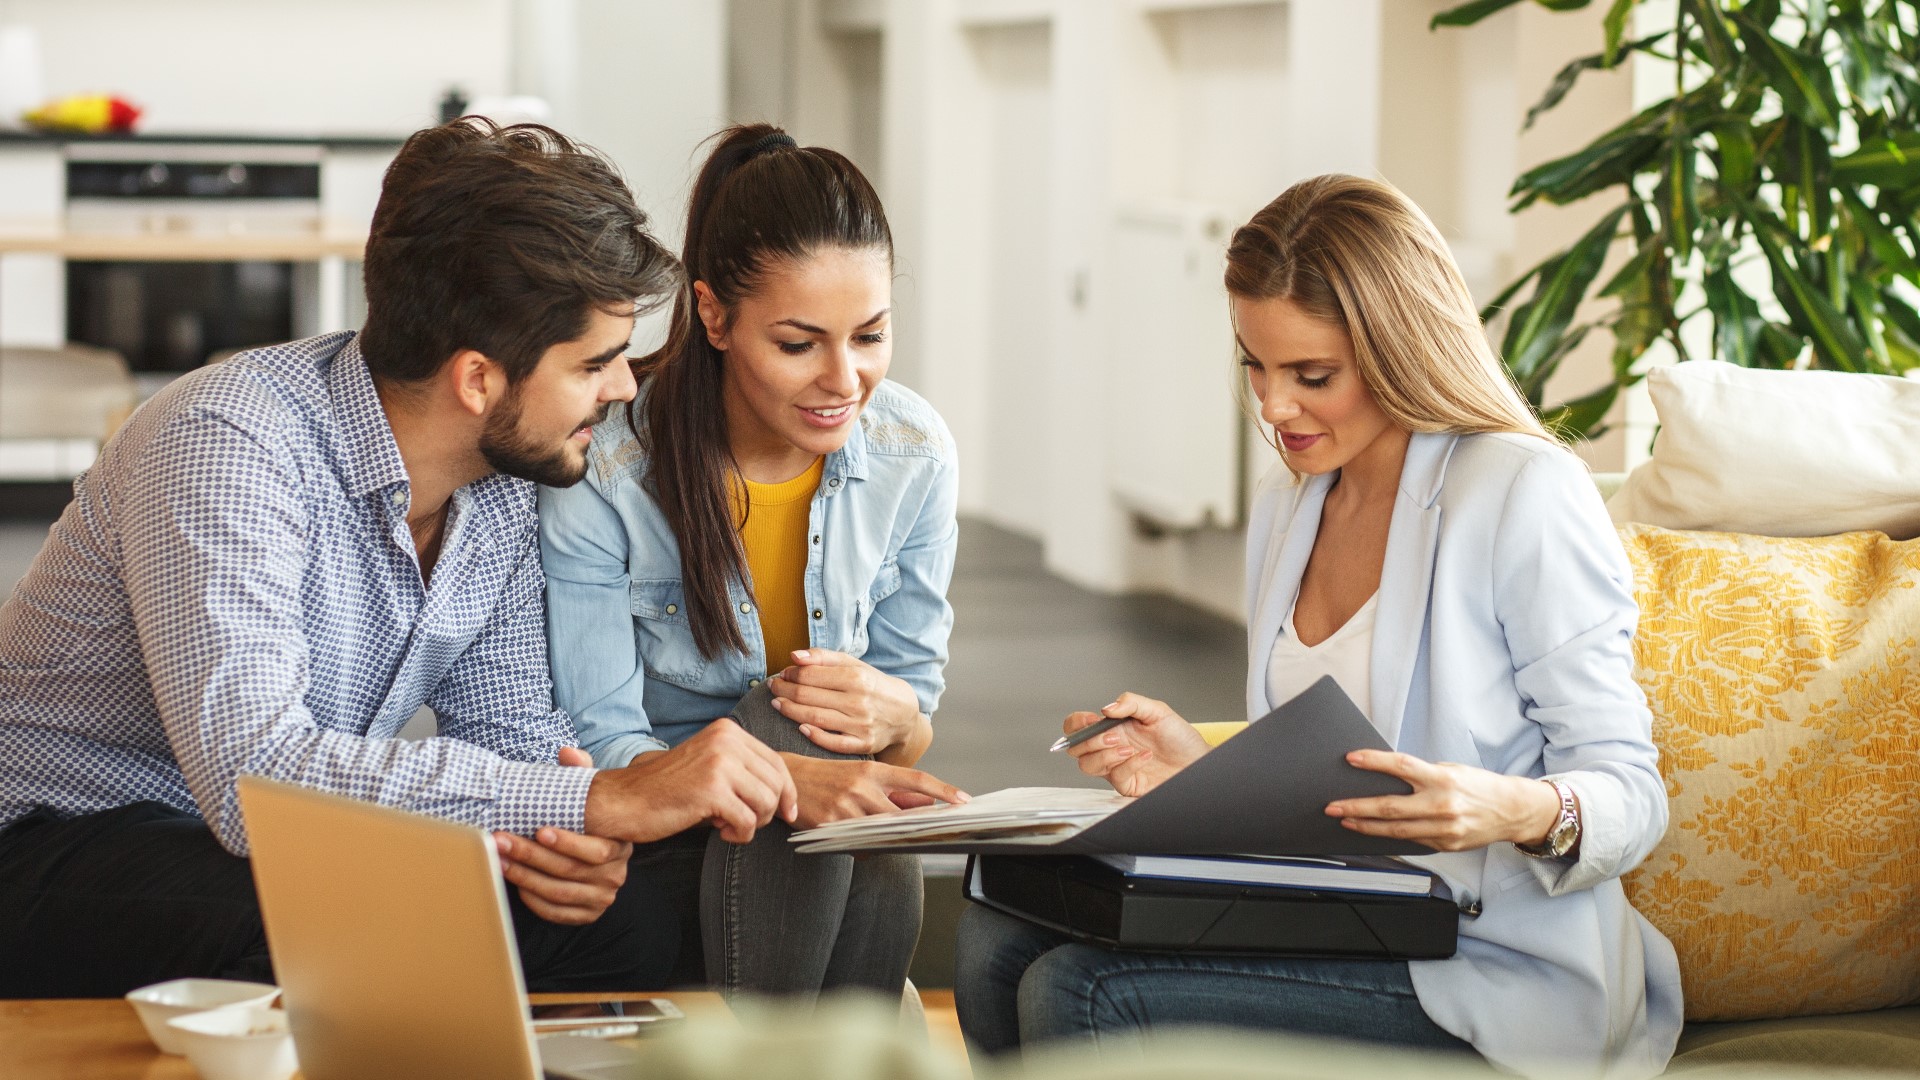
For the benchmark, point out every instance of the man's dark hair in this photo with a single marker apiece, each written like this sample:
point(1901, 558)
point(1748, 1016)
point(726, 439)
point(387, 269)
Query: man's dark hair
point(500, 240)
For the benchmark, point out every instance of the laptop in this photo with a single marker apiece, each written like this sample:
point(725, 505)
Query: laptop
point(393, 947)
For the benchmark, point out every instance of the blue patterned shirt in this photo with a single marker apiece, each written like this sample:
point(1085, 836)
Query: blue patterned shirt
point(233, 590)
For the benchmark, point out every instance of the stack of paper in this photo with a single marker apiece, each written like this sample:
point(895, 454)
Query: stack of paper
point(1035, 815)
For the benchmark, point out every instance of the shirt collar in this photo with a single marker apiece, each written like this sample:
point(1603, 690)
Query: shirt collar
point(850, 461)
point(372, 457)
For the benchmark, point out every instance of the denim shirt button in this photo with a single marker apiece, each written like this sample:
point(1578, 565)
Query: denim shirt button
point(751, 683)
point(816, 539)
point(834, 483)
point(818, 614)
point(746, 608)
point(672, 608)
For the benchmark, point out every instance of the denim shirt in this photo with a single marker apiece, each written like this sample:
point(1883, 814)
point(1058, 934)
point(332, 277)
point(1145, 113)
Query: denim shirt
point(881, 536)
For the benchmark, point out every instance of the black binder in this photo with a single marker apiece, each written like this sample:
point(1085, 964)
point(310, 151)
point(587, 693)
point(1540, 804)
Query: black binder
point(1090, 901)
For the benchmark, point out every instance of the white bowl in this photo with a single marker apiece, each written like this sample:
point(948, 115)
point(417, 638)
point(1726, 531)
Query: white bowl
point(239, 1042)
point(161, 1002)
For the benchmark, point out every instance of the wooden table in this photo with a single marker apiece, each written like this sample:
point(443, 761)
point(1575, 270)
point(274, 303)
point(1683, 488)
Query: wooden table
point(101, 1038)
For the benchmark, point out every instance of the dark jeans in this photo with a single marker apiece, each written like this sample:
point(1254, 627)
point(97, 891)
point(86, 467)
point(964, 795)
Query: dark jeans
point(96, 905)
point(1018, 984)
point(773, 922)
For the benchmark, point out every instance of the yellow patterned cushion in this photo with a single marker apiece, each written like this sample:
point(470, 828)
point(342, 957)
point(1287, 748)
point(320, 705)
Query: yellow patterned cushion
point(1784, 678)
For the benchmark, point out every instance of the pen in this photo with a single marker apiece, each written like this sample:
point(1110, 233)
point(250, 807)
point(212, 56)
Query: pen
point(1096, 728)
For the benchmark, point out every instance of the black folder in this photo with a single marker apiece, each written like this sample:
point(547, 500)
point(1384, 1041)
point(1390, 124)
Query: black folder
point(1090, 901)
point(1263, 792)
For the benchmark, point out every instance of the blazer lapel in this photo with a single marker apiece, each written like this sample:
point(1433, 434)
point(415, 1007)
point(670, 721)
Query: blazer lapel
point(1406, 580)
point(1286, 565)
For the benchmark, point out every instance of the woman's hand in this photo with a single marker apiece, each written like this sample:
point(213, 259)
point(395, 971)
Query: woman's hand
point(1137, 756)
point(846, 705)
point(1453, 807)
point(834, 790)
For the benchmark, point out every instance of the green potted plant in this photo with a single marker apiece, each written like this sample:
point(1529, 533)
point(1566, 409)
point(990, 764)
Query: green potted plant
point(1788, 152)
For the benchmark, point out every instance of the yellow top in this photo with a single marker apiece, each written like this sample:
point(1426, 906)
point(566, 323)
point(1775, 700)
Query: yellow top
point(1218, 732)
point(775, 537)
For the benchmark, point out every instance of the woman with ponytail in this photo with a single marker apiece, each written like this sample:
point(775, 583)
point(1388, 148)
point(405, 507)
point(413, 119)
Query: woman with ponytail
point(765, 537)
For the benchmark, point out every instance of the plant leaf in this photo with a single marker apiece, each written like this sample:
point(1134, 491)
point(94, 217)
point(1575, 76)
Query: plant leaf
point(1721, 50)
point(1735, 165)
point(1880, 240)
point(1634, 273)
point(1866, 306)
point(1833, 338)
point(1737, 323)
point(1581, 417)
point(1891, 164)
point(1539, 324)
point(1615, 24)
point(1804, 84)
point(1469, 13)
point(1567, 76)
point(1611, 159)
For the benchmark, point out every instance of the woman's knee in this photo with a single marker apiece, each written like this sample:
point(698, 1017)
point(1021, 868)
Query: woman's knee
point(755, 713)
point(1067, 991)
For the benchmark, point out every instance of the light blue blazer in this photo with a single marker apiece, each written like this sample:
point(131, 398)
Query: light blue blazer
point(1503, 639)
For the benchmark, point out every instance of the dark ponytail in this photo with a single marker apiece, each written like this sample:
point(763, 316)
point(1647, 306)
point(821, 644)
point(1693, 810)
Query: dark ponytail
point(759, 201)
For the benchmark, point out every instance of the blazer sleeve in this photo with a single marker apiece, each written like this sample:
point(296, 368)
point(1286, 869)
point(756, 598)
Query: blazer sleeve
point(1563, 593)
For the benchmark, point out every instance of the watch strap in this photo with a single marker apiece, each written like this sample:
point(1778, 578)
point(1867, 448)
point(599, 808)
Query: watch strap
point(1566, 828)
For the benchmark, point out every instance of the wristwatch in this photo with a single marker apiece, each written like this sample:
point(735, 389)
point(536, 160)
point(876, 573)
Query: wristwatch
point(1565, 832)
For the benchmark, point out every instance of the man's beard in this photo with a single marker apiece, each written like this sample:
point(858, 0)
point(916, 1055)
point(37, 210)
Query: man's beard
point(510, 451)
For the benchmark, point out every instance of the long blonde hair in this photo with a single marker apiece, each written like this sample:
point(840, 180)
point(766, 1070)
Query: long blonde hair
point(1360, 255)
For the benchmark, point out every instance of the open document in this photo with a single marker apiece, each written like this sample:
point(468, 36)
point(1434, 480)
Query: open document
point(1022, 815)
point(1262, 792)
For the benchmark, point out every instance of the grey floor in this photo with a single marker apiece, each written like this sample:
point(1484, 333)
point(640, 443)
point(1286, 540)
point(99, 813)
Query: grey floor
point(1027, 649)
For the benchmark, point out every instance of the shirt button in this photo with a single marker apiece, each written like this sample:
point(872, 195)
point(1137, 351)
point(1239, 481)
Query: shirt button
point(399, 498)
point(816, 539)
point(751, 683)
point(671, 608)
point(818, 614)
point(835, 482)
point(746, 609)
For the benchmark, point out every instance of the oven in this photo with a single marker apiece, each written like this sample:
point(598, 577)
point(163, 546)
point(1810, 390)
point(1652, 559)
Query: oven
point(166, 317)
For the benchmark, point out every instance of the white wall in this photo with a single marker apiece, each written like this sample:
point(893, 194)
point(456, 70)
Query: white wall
point(644, 81)
point(272, 66)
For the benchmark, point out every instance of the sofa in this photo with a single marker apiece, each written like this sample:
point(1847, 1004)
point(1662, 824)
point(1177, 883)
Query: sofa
point(1742, 1012)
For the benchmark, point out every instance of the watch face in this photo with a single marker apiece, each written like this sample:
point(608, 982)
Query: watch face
point(1560, 841)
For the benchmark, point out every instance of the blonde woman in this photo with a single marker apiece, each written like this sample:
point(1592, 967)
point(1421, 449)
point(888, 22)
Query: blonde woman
point(1428, 544)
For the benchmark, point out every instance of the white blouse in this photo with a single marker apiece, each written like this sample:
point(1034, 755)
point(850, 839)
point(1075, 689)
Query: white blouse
point(1347, 656)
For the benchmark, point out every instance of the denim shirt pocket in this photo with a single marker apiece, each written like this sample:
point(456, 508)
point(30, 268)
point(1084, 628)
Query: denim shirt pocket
point(885, 584)
point(663, 633)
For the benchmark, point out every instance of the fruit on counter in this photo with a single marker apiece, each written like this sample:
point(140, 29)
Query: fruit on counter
point(88, 114)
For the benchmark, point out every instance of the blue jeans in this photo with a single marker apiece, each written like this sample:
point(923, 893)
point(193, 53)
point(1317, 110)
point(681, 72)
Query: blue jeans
point(1018, 984)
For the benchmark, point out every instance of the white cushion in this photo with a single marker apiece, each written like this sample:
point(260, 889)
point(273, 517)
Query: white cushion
point(1778, 453)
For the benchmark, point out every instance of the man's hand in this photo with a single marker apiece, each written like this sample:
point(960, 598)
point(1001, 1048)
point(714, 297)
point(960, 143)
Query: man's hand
point(722, 775)
point(846, 705)
point(832, 790)
point(565, 877)
point(1136, 757)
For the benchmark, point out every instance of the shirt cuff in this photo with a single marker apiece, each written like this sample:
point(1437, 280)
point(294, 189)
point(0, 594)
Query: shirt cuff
point(619, 751)
point(532, 796)
point(1602, 843)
